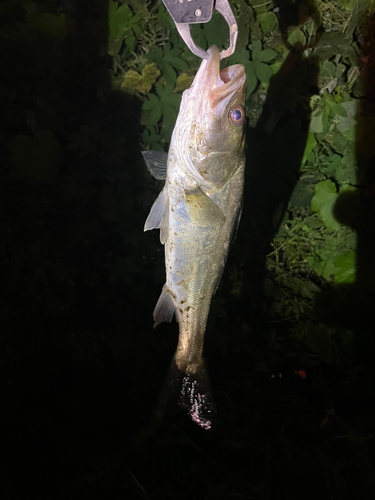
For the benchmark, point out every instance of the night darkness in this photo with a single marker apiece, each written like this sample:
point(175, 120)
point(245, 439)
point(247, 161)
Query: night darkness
point(81, 366)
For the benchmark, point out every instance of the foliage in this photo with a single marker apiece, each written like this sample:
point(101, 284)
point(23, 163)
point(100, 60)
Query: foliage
point(143, 82)
point(323, 201)
point(124, 25)
point(256, 67)
point(268, 22)
point(168, 59)
point(163, 106)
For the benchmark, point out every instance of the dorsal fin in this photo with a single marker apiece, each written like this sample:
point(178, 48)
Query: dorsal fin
point(156, 162)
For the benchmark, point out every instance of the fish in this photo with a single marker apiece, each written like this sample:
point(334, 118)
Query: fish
point(197, 212)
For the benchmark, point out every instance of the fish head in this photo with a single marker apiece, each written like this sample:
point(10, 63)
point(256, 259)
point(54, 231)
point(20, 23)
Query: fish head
point(217, 137)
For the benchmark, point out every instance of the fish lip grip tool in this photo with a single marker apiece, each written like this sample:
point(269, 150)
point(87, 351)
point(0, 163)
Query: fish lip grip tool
point(186, 12)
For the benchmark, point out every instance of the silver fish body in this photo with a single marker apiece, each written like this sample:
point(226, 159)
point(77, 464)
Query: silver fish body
point(199, 206)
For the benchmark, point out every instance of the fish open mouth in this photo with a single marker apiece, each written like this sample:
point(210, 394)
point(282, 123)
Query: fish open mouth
point(222, 83)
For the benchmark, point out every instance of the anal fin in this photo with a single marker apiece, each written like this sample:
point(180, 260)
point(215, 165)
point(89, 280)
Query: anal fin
point(165, 308)
point(158, 216)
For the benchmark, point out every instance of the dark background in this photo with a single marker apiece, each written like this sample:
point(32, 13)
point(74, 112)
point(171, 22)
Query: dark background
point(81, 367)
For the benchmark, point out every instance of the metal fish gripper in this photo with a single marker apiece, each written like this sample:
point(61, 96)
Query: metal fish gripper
point(186, 12)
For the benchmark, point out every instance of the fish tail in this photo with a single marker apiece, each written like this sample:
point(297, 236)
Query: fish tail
point(191, 390)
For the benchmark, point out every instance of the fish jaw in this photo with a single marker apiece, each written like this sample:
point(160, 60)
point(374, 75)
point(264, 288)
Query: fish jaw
point(214, 143)
point(214, 84)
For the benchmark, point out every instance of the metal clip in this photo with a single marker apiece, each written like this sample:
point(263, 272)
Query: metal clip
point(186, 12)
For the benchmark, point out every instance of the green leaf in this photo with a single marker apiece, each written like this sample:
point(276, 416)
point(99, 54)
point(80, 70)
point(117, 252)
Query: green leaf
point(243, 57)
point(130, 42)
point(141, 82)
point(340, 69)
point(198, 36)
point(346, 265)
point(310, 145)
point(151, 138)
point(267, 55)
point(326, 123)
point(346, 173)
point(338, 141)
point(118, 19)
point(169, 120)
point(268, 21)
point(323, 202)
point(297, 37)
point(331, 164)
point(174, 100)
point(346, 124)
point(168, 72)
point(240, 57)
point(163, 107)
point(122, 25)
point(183, 82)
point(316, 123)
point(263, 72)
point(154, 116)
point(216, 31)
point(164, 92)
point(350, 135)
point(113, 46)
point(178, 63)
point(328, 70)
point(347, 188)
point(339, 110)
point(243, 22)
point(167, 59)
point(256, 48)
point(133, 20)
point(322, 266)
point(151, 103)
point(251, 82)
point(302, 194)
point(151, 111)
point(350, 107)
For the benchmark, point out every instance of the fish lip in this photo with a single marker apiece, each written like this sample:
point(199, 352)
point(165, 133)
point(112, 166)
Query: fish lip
point(229, 87)
point(211, 68)
point(222, 83)
point(218, 84)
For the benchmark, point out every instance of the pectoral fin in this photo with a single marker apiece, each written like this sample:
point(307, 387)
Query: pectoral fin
point(202, 210)
point(156, 162)
point(158, 216)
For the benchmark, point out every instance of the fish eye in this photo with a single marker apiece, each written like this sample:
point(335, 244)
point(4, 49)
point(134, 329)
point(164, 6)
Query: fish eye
point(237, 116)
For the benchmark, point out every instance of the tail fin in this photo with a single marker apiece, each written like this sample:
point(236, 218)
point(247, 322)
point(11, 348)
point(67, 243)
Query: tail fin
point(192, 392)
